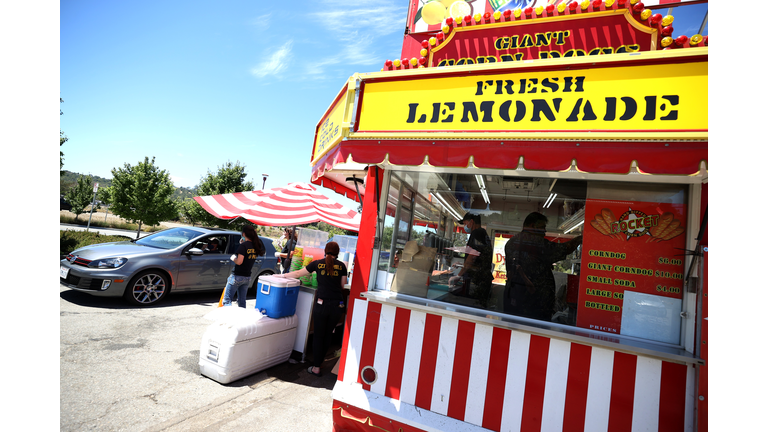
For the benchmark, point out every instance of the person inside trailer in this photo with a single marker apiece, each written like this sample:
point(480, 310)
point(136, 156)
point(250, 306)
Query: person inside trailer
point(477, 270)
point(530, 286)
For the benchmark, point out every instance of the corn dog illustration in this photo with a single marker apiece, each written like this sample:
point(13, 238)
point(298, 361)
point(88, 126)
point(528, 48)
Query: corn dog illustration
point(604, 227)
point(609, 219)
point(599, 226)
point(672, 234)
point(664, 221)
point(671, 227)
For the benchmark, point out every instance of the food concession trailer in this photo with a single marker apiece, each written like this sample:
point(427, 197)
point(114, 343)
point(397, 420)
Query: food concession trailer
point(589, 114)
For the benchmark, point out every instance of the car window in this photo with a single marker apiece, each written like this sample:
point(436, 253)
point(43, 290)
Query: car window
point(206, 244)
point(169, 239)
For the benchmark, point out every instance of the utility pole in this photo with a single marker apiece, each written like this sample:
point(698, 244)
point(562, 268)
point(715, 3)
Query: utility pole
point(93, 204)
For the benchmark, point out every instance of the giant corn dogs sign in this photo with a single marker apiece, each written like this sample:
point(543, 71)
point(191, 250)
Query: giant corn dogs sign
point(628, 247)
point(659, 98)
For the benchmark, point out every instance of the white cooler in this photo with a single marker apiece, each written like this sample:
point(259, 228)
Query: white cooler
point(242, 342)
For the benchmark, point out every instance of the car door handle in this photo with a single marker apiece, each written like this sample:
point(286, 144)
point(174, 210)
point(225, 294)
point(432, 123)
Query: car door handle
point(225, 262)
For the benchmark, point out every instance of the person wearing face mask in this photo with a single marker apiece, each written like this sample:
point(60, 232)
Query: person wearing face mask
point(530, 287)
point(477, 271)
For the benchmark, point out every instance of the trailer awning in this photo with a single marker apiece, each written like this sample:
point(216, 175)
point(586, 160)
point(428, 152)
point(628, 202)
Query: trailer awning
point(643, 112)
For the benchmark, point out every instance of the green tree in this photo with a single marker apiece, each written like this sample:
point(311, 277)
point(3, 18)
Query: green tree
point(142, 193)
point(189, 210)
point(229, 178)
point(80, 195)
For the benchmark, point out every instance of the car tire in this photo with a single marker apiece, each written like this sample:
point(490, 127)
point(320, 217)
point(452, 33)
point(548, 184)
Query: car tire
point(255, 285)
point(147, 288)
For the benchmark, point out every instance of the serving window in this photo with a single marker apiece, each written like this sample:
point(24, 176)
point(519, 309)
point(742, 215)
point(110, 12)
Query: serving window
point(605, 256)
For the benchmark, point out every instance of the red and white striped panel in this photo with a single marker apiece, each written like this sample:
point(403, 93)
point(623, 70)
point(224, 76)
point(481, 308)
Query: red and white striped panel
point(296, 204)
point(471, 376)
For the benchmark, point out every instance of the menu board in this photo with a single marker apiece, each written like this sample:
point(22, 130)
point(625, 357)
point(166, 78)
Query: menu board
point(628, 247)
point(499, 260)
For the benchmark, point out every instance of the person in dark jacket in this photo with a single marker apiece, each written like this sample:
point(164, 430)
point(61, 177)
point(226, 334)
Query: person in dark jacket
point(530, 287)
point(286, 254)
point(329, 306)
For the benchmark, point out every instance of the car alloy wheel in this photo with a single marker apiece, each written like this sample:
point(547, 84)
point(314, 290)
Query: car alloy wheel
point(147, 288)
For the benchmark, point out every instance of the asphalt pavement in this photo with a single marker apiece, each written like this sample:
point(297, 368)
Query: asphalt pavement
point(124, 368)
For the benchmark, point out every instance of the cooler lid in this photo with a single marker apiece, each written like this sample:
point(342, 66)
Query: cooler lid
point(232, 324)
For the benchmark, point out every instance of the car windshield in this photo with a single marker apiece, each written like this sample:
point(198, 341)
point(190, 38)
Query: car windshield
point(169, 239)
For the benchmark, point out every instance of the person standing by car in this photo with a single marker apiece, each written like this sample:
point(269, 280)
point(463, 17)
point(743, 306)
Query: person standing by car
point(238, 282)
point(286, 254)
point(329, 307)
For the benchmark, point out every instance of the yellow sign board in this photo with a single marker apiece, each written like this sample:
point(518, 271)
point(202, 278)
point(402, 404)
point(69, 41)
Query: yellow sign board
point(335, 123)
point(652, 97)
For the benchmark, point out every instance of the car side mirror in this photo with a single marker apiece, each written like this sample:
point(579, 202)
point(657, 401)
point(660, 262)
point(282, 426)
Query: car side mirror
point(194, 251)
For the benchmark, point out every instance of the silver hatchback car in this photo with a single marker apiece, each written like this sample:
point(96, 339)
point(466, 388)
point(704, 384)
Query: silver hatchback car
point(144, 271)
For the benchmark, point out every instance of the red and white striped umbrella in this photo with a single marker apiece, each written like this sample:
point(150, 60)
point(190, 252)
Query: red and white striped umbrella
point(295, 204)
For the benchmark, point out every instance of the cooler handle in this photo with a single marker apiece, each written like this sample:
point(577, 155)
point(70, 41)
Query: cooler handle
point(266, 285)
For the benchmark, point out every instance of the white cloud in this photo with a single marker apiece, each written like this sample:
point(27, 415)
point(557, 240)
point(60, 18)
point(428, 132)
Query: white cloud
point(262, 22)
point(276, 63)
point(380, 20)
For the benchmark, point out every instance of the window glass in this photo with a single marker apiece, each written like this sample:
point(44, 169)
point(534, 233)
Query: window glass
point(169, 239)
point(599, 255)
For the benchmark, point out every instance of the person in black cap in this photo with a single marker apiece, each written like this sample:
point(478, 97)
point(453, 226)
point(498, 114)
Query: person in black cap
point(478, 270)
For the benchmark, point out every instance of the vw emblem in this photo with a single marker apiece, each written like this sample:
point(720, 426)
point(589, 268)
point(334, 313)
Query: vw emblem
point(72, 258)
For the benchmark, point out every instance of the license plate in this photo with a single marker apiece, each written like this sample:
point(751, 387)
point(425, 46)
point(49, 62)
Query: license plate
point(63, 272)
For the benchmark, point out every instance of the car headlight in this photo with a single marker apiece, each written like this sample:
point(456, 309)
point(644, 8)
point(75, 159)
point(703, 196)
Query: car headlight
point(108, 263)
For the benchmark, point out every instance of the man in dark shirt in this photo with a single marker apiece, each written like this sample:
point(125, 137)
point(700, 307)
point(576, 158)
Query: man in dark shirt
point(530, 288)
point(478, 270)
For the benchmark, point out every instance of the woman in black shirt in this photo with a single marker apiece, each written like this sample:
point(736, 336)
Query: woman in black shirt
point(238, 282)
point(329, 306)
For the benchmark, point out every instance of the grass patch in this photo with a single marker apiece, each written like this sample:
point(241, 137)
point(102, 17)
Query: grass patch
point(109, 224)
point(71, 240)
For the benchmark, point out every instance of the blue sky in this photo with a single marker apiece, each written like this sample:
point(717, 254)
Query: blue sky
point(197, 84)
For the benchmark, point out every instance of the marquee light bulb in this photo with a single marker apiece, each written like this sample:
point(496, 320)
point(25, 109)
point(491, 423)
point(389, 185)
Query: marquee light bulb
point(696, 39)
point(497, 15)
point(646, 14)
point(667, 20)
point(539, 10)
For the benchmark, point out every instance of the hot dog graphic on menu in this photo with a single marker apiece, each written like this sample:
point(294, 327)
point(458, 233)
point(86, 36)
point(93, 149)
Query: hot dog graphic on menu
point(634, 223)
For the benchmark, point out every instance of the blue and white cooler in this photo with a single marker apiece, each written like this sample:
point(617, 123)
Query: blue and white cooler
point(276, 297)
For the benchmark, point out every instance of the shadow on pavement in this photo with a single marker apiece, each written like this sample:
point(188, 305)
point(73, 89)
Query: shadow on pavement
point(294, 371)
point(172, 299)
